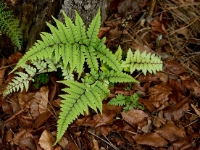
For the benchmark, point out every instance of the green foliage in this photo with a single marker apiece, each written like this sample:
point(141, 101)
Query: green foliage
point(129, 102)
point(9, 26)
point(140, 61)
point(41, 79)
point(68, 47)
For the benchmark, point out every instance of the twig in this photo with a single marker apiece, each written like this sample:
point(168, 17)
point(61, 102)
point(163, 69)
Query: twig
point(110, 144)
point(150, 13)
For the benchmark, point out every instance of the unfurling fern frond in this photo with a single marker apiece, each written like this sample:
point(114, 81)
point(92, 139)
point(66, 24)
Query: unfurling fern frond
point(142, 61)
point(10, 26)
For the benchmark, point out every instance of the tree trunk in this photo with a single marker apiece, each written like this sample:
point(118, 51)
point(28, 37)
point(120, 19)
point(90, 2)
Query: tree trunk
point(33, 15)
point(86, 8)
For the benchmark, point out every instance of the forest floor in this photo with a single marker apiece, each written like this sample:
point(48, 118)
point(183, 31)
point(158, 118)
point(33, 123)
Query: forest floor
point(171, 118)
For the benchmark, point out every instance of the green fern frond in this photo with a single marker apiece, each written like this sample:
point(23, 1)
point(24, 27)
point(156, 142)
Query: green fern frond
point(23, 79)
point(10, 26)
point(69, 43)
point(142, 61)
point(129, 102)
point(80, 96)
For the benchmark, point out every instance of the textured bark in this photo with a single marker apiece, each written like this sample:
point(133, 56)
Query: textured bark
point(32, 15)
point(86, 8)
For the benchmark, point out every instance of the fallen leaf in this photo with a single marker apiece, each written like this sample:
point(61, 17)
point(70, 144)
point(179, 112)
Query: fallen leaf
point(150, 139)
point(192, 85)
point(159, 94)
point(171, 132)
point(134, 117)
point(42, 98)
point(14, 58)
point(183, 144)
point(40, 119)
point(196, 110)
point(103, 31)
point(63, 142)
point(177, 111)
point(175, 67)
point(46, 140)
point(183, 31)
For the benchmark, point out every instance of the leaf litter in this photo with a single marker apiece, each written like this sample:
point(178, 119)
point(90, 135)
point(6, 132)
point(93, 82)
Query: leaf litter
point(171, 97)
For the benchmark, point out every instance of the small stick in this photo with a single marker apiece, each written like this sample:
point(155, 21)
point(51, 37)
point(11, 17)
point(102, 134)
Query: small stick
point(150, 12)
point(110, 144)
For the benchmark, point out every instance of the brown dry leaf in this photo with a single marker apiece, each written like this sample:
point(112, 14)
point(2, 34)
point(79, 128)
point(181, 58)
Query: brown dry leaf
point(14, 58)
point(103, 130)
point(103, 119)
point(134, 117)
point(183, 31)
point(63, 142)
point(196, 110)
point(175, 67)
point(151, 139)
point(40, 119)
point(146, 104)
point(159, 94)
point(157, 26)
point(95, 144)
point(46, 140)
point(183, 144)
point(25, 99)
point(103, 31)
point(171, 132)
point(192, 85)
point(159, 121)
point(18, 137)
point(177, 111)
point(146, 128)
point(2, 74)
point(111, 109)
point(34, 108)
point(42, 97)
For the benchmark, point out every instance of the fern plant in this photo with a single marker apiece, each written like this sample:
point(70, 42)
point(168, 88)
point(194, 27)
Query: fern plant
point(68, 47)
point(10, 26)
point(129, 102)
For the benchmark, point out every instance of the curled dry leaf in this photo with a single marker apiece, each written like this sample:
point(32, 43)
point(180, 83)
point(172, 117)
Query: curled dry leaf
point(134, 117)
point(196, 110)
point(150, 139)
point(171, 132)
point(159, 94)
point(46, 140)
point(177, 111)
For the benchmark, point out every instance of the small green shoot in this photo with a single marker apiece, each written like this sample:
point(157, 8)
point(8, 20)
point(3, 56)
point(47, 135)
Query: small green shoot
point(129, 102)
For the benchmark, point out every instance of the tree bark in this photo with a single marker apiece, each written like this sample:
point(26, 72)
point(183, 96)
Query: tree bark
point(33, 15)
point(87, 9)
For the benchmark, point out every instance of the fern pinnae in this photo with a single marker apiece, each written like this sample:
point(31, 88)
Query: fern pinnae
point(71, 29)
point(93, 30)
point(80, 28)
point(10, 26)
